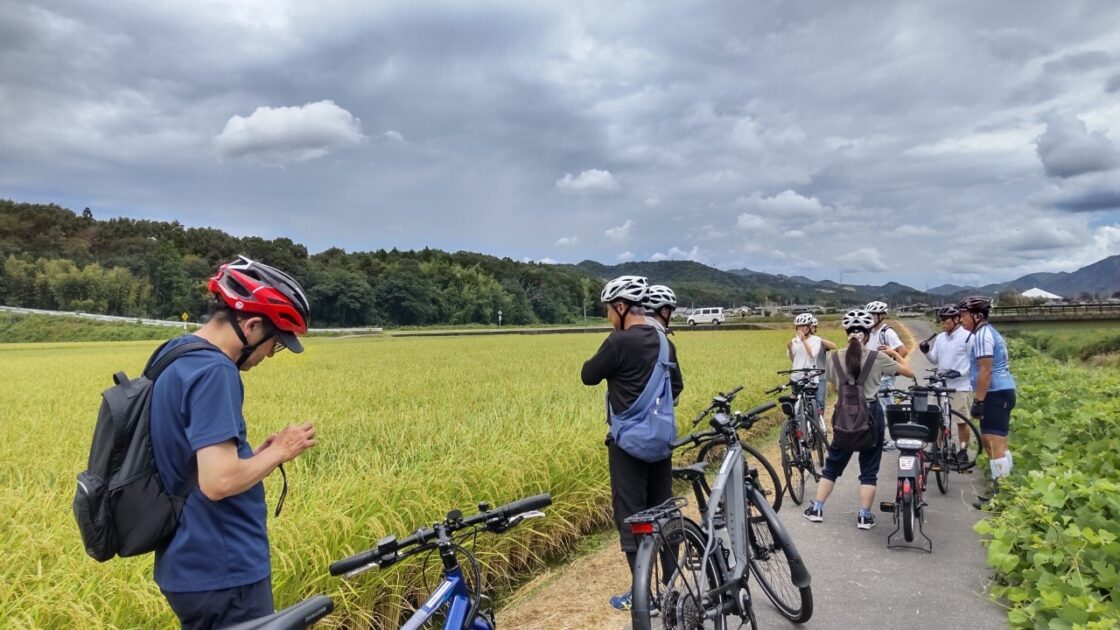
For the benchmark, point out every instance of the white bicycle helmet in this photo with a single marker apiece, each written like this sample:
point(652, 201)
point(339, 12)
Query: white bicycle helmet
point(660, 295)
point(876, 308)
point(804, 319)
point(633, 289)
point(857, 318)
point(814, 321)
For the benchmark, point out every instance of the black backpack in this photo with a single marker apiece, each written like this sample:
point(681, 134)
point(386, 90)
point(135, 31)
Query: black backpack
point(120, 504)
point(853, 428)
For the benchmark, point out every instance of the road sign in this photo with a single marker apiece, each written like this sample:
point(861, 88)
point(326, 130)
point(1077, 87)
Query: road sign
point(184, 316)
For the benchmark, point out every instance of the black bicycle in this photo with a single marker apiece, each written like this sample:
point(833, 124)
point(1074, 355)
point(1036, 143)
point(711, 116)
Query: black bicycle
point(769, 484)
point(803, 434)
point(693, 573)
point(946, 455)
point(456, 603)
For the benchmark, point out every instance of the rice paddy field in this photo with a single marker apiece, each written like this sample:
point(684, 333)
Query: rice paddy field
point(408, 429)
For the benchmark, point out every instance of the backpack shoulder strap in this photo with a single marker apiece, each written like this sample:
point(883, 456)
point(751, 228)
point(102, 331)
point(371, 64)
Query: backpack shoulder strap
point(153, 371)
point(866, 371)
point(839, 367)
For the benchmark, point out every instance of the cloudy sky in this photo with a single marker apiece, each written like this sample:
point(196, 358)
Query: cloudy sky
point(919, 142)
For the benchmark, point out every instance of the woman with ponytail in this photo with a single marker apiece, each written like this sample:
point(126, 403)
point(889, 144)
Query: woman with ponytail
point(888, 362)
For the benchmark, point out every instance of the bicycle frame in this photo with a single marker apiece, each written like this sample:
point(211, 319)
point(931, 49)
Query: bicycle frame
point(453, 592)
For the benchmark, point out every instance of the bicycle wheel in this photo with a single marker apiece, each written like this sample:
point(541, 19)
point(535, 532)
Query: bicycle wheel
point(791, 466)
point(943, 458)
point(772, 487)
point(909, 514)
point(672, 578)
point(820, 439)
point(972, 448)
point(776, 563)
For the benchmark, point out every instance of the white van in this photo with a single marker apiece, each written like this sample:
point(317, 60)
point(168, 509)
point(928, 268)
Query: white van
point(706, 316)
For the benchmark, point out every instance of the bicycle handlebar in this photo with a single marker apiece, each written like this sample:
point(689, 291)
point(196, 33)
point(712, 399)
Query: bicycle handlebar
point(738, 419)
point(389, 547)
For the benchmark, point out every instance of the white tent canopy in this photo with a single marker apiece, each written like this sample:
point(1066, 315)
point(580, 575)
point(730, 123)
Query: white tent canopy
point(1039, 293)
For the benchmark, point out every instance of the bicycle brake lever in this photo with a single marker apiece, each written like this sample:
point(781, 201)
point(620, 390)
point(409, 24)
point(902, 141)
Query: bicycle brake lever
point(360, 570)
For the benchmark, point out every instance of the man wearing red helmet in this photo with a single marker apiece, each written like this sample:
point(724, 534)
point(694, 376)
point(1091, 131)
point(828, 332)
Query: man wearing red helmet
point(215, 571)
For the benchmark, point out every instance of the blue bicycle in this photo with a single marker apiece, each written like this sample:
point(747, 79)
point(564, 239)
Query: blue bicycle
point(453, 600)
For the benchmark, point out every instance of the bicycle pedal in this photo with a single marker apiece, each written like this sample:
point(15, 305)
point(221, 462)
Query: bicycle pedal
point(886, 506)
point(935, 467)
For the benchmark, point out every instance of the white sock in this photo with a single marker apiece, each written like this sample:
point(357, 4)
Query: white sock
point(1010, 462)
point(1000, 467)
point(993, 468)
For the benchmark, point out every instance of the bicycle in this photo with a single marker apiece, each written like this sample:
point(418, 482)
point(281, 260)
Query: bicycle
point(946, 455)
point(714, 452)
point(914, 426)
point(803, 433)
point(295, 617)
point(693, 573)
point(460, 606)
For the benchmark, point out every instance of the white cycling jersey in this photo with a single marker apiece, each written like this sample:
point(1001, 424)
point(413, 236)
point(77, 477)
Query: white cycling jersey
point(949, 351)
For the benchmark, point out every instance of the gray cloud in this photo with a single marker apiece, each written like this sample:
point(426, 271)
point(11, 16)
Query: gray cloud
point(1068, 149)
point(731, 131)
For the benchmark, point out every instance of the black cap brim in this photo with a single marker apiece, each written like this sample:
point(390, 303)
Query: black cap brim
point(290, 341)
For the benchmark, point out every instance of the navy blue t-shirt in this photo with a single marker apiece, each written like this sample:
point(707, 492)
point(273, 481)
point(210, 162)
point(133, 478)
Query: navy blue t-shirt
point(196, 403)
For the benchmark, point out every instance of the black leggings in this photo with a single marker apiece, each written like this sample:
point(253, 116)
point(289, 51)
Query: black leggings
point(869, 457)
point(636, 485)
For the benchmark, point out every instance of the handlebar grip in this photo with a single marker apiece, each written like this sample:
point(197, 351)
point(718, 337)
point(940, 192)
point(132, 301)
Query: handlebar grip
point(761, 408)
point(773, 390)
point(527, 504)
point(735, 391)
point(681, 441)
point(355, 561)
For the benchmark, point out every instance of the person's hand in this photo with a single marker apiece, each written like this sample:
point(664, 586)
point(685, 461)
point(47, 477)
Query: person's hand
point(924, 347)
point(293, 440)
point(789, 344)
point(885, 348)
point(977, 410)
point(801, 335)
point(265, 444)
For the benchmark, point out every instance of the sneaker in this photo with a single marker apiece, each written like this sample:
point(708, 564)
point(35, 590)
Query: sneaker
point(622, 602)
point(814, 514)
point(865, 521)
point(981, 501)
point(888, 445)
point(962, 457)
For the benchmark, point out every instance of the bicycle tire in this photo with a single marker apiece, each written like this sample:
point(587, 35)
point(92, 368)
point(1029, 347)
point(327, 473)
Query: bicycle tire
point(908, 513)
point(713, 452)
point(773, 561)
point(821, 441)
point(973, 449)
point(794, 475)
point(945, 454)
point(675, 594)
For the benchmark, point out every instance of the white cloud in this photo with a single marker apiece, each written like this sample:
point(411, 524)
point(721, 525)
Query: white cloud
point(864, 259)
point(914, 231)
point(289, 134)
point(652, 201)
point(589, 181)
point(395, 136)
point(795, 234)
point(676, 253)
point(786, 204)
point(1068, 149)
point(566, 241)
point(748, 222)
point(548, 261)
point(625, 257)
point(620, 235)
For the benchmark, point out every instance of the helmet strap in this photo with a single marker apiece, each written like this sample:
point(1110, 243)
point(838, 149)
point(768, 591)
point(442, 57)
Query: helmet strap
point(247, 349)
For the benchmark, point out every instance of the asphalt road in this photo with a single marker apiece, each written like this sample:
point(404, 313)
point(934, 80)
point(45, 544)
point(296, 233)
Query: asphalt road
point(859, 583)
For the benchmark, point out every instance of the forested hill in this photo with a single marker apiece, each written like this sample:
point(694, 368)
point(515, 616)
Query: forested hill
point(56, 259)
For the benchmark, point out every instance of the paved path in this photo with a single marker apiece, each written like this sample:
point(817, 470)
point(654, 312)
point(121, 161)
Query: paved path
point(859, 583)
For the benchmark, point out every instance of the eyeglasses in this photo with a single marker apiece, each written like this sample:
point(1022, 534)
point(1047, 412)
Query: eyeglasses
point(277, 345)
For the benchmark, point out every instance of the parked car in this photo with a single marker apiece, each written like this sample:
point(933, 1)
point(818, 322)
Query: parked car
point(706, 316)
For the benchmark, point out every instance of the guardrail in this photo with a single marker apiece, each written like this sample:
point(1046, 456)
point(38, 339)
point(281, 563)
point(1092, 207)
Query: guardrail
point(159, 322)
point(1057, 312)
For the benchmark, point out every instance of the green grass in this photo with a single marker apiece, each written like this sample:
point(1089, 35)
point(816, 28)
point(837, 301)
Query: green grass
point(1073, 344)
point(18, 328)
point(408, 427)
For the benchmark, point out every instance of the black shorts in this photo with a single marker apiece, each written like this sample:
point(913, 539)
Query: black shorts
point(997, 412)
point(225, 607)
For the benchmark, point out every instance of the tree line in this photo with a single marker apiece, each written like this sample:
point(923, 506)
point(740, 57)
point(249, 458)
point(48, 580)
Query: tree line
point(53, 258)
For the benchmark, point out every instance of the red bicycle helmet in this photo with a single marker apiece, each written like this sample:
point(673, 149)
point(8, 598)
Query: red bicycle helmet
point(248, 286)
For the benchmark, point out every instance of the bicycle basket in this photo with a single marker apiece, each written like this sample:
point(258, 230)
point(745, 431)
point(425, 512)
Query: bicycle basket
point(906, 423)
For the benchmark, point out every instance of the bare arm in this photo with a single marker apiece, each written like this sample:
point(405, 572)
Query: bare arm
point(221, 473)
point(828, 344)
point(900, 359)
point(983, 377)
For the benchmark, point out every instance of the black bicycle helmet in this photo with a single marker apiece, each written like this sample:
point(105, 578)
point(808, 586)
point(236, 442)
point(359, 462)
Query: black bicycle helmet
point(976, 304)
point(948, 312)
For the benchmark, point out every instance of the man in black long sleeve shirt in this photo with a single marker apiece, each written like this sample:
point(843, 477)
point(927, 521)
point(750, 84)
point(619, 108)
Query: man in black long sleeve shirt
point(626, 361)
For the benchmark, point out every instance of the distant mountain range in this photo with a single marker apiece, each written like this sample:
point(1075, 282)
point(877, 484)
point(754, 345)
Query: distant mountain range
point(701, 284)
point(1100, 278)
